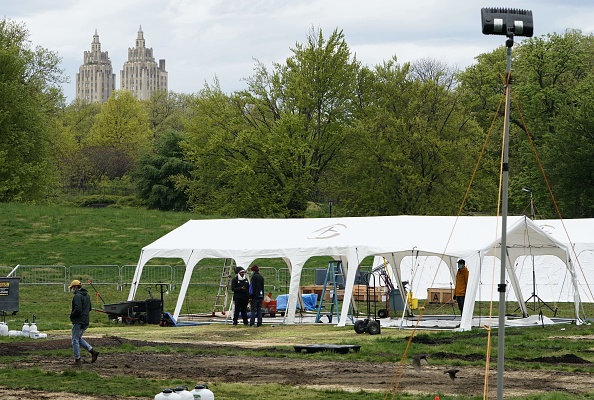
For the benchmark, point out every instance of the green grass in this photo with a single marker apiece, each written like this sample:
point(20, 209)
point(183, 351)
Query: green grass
point(59, 235)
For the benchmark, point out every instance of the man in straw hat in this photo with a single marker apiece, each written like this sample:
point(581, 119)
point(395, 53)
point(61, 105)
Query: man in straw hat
point(79, 315)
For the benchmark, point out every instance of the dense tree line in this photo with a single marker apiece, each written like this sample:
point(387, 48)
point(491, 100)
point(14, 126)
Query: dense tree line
point(395, 138)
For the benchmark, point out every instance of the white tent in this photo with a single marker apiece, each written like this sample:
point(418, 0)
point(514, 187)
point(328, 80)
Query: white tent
point(350, 240)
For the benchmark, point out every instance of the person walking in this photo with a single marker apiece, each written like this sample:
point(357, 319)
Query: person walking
point(241, 296)
point(461, 284)
point(79, 316)
point(256, 296)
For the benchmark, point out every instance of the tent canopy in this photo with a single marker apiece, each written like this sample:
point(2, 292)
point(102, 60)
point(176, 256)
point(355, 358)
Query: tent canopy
point(347, 239)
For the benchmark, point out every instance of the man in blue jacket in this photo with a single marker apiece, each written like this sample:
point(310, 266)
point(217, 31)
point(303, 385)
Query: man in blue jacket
point(256, 296)
point(79, 315)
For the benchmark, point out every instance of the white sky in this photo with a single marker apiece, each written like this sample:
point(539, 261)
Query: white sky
point(204, 39)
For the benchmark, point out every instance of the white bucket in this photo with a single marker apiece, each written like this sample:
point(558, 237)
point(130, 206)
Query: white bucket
point(167, 394)
point(37, 335)
point(3, 329)
point(201, 392)
point(183, 393)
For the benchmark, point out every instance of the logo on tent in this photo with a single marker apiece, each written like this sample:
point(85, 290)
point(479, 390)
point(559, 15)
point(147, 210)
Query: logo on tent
point(327, 232)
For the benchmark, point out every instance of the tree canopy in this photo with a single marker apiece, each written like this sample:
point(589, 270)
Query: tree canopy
point(29, 98)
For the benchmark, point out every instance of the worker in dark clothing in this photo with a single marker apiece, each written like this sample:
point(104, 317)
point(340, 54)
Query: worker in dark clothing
point(79, 316)
point(241, 297)
point(256, 296)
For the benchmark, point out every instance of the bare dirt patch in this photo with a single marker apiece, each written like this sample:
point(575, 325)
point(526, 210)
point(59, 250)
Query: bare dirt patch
point(340, 372)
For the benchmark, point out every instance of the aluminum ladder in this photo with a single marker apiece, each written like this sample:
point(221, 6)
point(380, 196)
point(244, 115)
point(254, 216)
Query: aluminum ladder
point(223, 294)
point(334, 272)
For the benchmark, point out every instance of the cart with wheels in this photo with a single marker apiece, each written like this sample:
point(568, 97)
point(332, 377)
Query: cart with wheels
point(370, 324)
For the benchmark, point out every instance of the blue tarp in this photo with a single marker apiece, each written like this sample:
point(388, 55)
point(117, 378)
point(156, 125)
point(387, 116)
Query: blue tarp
point(309, 301)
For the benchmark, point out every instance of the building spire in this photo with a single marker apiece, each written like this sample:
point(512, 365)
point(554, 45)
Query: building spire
point(96, 45)
point(140, 38)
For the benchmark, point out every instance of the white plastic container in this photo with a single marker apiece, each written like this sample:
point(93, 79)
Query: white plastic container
point(3, 329)
point(15, 333)
point(183, 393)
point(167, 394)
point(201, 392)
point(37, 335)
point(33, 328)
point(26, 329)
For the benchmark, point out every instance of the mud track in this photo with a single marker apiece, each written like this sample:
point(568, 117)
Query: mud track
point(337, 373)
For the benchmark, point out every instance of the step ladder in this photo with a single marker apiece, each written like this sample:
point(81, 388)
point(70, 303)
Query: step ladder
point(335, 275)
point(223, 294)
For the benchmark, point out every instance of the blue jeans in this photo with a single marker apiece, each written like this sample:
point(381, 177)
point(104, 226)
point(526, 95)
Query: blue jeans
point(78, 341)
point(256, 310)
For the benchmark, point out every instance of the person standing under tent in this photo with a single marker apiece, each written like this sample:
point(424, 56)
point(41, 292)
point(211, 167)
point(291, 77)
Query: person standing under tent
point(79, 316)
point(240, 286)
point(461, 284)
point(256, 296)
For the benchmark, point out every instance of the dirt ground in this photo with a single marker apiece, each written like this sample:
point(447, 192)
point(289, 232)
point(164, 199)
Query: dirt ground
point(338, 373)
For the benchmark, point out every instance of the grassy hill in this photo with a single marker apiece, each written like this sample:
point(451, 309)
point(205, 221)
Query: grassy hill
point(62, 235)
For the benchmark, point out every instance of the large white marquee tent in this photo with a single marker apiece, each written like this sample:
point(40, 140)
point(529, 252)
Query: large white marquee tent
point(350, 240)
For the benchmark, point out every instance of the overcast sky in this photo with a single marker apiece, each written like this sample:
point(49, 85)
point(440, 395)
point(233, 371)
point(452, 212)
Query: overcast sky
point(204, 39)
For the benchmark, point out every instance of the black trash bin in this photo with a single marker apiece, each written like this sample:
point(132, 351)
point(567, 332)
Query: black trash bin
point(154, 311)
point(9, 294)
point(396, 302)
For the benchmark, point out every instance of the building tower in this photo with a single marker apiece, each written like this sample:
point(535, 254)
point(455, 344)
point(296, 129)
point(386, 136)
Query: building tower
point(95, 79)
point(141, 74)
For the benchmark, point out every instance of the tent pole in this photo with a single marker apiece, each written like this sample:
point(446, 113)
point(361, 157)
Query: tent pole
point(504, 197)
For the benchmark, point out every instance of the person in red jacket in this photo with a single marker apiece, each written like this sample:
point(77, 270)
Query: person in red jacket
point(461, 284)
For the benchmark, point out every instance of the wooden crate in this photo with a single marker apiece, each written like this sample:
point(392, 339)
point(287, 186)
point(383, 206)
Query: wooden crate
point(317, 289)
point(360, 293)
point(440, 295)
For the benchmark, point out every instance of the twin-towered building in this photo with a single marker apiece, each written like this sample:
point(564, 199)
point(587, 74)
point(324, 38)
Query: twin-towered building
point(141, 75)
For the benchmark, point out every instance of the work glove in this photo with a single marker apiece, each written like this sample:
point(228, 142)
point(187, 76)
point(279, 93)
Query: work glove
point(454, 297)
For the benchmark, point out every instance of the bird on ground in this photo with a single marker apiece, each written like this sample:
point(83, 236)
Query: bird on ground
point(452, 373)
point(416, 361)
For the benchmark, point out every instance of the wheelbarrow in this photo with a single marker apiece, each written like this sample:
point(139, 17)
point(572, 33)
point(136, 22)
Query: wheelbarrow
point(129, 312)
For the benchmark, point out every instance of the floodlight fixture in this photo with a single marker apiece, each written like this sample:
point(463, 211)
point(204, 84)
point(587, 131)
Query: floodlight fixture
point(507, 21)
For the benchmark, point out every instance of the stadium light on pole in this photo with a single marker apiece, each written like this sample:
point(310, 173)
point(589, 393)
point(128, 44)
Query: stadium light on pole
point(509, 23)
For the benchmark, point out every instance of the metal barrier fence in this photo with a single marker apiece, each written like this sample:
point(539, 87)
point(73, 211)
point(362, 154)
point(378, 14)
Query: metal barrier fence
point(41, 274)
point(276, 280)
point(97, 274)
point(151, 275)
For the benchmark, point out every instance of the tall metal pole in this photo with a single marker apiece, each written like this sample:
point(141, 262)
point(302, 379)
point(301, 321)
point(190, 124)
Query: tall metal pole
point(509, 22)
point(503, 252)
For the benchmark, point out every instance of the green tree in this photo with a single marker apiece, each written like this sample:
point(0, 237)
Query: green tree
point(555, 73)
point(416, 144)
point(552, 77)
point(72, 161)
point(262, 152)
point(30, 98)
point(158, 172)
point(122, 124)
point(166, 111)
